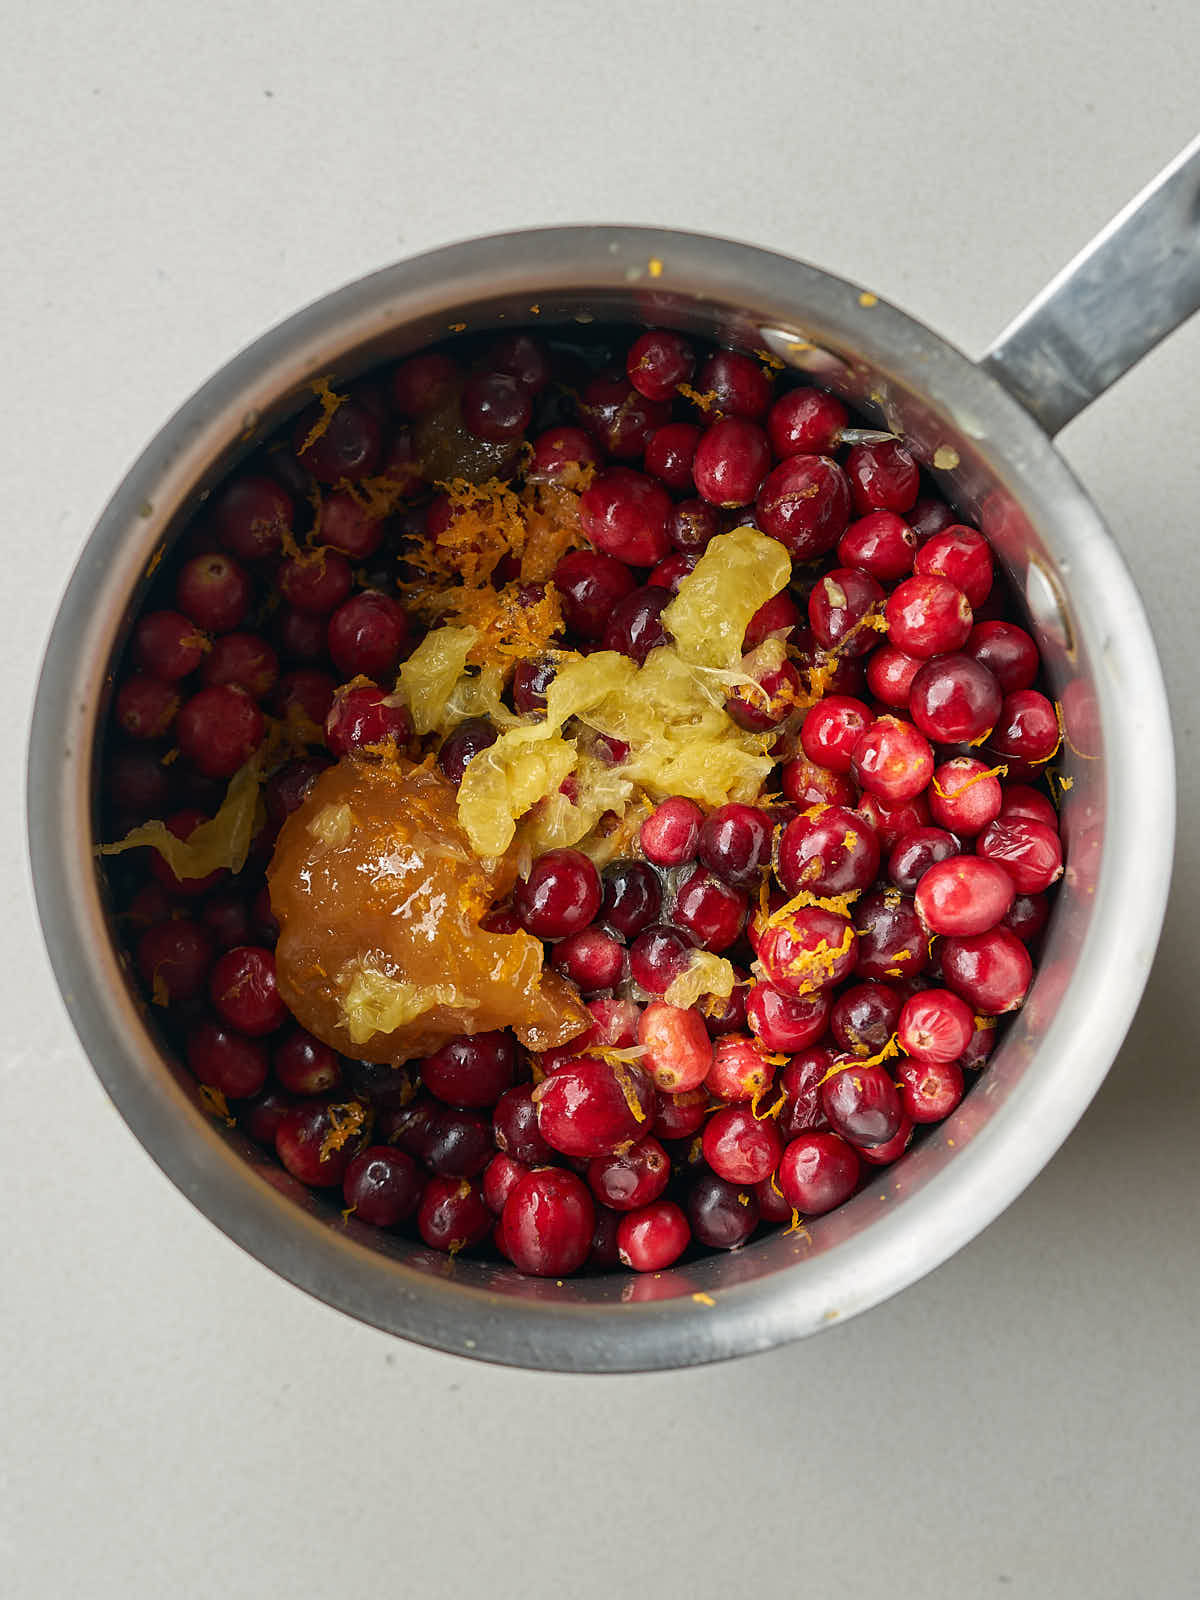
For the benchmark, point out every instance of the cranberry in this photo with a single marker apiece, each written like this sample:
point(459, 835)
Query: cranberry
point(1030, 852)
point(1008, 653)
point(738, 385)
point(183, 824)
point(964, 895)
point(219, 729)
point(740, 1147)
point(522, 357)
point(632, 1179)
point(766, 702)
point(817, 1172)
point(560, 895)
point(635, 624)
point(214, 591)
point(679, 1116)
point(883, 477)
point(777, 616)
point(367, 635)
point(173, 958)
point(991, 971)
point(728, 1015)
point(242, 988)
point(463, 745)
point(784, 1022)
point(839, 608)
point(863, 1018)
point(964, 795)
point(723, 1215)
point(806, 421)
point(591, 585)
point(301, 637)
point(1019, 800)
point(1027, 728)
point(732, 459)
point(890, 675)
point(244, 659)
point(801, 1082)
point(531, 679)
point(916, 852)
point(670, 835)
point(808, 950)
point(928, 616)
point(1027, 916)
point(882, 1155)
point(983, 1041)
point(930, 1090)
point(360, 718)
point(892, 819)
point(589, 1109)
point(560, 452)
point(735, 842)
point(137, 782)
point(691, 524)
point(954, 700)
point(423, 383)
point(827, 851)
point(892, 760)
point(624, 514)
point(471, 1070)
point(316, 582)
point(632, 897)
point(313, 1145)
point(382, 1186)
point(496, 407)
point(891, 941)
point(962, 555)
point(657, 957)
point(678, 1051)
point(658, 362)
point(456, 1143)
point(145, 707)
point(591, 959)
point(620, 418)
point(935, 1026)
point(227, 917)
point(549, 1220)
point(670, 454)
point(739, 1070)
point(263, 1116)
point(285, 790)
point(348, 445)
point(862, 1104)
point(880, 543)
point(227, 1061)
point(250, 515)
point(515, 1128)
point(453, 1215)
point(303, 1065)
point(348, 527)
point(767, 1198)
point(832, 729)
point(710, 910)
point(653, 1237)
point(805, 504)
point(500, 1178)
point(929, 515)
point(808, 783)
point(168, 645)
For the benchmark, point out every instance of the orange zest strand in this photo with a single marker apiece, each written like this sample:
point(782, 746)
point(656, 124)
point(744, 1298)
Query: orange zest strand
point(330, 403)
point(345, 1121)
point(215, 1103)
point(992, 772)
point(860, 1063)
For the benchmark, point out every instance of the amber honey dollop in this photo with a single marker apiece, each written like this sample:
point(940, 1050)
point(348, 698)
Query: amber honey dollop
point(379, 896)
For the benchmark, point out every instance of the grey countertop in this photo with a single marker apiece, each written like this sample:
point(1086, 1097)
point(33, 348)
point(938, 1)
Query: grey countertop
point(177, 1420)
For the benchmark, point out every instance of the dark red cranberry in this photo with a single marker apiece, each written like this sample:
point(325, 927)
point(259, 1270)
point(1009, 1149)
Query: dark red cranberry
point(862, 1104)
point(882, 1155)
point(349, 527)
point(250, 515)
point(530, 681)
point(472, 1070)
point(805, 504)
point(929, 515)
point(954, 700)
point(784, 1022)
point(891, 942)
point(632, 897)
point(709, 909)
point(880, 543)
point(145, 707)
point(728, 1015)
point(227, 917)
point(740, 1147)
point(244, 659)
point(963, 895)
point(768, 700)
point(621, 418)
point(930, 1090)
point(658, 956)
point(890, 675)
point(658, 362)
point(732, 459)
point(892, 819)
point(691, 524)
point(227, 1061)
point(348, 445)
point(496, 407)
point(1030, 852)
point(863, 1017)
point(983, 1041)
point(807, 783)
point(262, 919)
point(522, 357)
point(591, 585)
point(737, 384)
point(368, 635)
point(777, 616)
point(624, 514)
point(828, 851)
point(214, 591)
point(670, 572)
point(991, 971)
point(1008, 653)
point(219, 729)
point(136, 781)
point(453, 1215)
point(463, 745)
point(300, 637)
point(631, 1179)
point(382, 1186)
point(735, 843)
point(560, 895)
point(1019, 800)
point(635, 625)
point(316, 582)
point(589, 1109)
point(1026, 729)
point(1027, 916)
point(242, 989)
point(883, 477)
point(168, 645)
point(560, 452)
point(964, 795)
point(678, 1051)
point(262, 1117)
point(286, 789)
point(304, 1065)
point(817, 1172)
point(670, 454)
point(149, 905)
point(423, 383)
point(515, 1128)
point(592, 959)
point(680, 1116)
point(723, 1215)
point(768, 1198)
point(916, 852)
point(892, 760)
point(928, 616)
point(963, 556)
point(173, 958)
point(650, 1239)
point(456, 1143)
point(670, 835)
point(806, 421)
point(360, 717)
point(935, 1026)
point(839, 608)
point(548, 1222)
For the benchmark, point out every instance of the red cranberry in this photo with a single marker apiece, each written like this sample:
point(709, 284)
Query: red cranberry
point(670, 835)
point(671, 572)
point(226, 1061)
point(301, 637)
point(929, 515)
point(635, 624)
point(678, 1051)
point(738, 385)
point(453, 1215)
point(735, 842)
point(882, 1155)
point(723, 1215)
point(349, 527)
point(728, 1015)
point(632, 1179)
point(455, 1143)
point(1019, 800)
point(500, 1178)
point(808, 783)
point(348, 446)
point(670, 455)
point(768, 1200)
point(360, 718)
point(591, 585)
point(930, 1090)
point(890, 675)
point(991, 971)
point(811, 949)
point(805, 504)
point(367, 635)
point(632, 897)
point(262, 1117)
point(767, 702)
point(954, 700)
point(591, 959)
point(471, 1070)
point(680, 1116)
point(227, 917)
point(1027, 916)
point(1029, 852)
point(740, 1147)
point(658, 956)
point(784, 1022)
point(817, 1172)
point(658, 362)
point(145, 707)
point(590, 1109)
point(214, 591)
point(892, 819)
point(710, 910)
point(244, 659)
point(935, 1026)
point(838, 609)
point(168, 645)
point(250, 515)
point(883, 477)
point(624, 514)
point(1008, 653)
point(732, 459)
point(496, 407)
point(778, 615)
point(963, 556)
point(963, 895)
point(522, 357)
point(928, 616)
point(891, 941)
point(242, 988)
point(862, 1104)
point(801, 1082)
point(303, 1065)
point(173, 958)
point(219, 729)
point(530, 681)
point(916, 852)
point(463, 745)
point(964, 795)
point(650, 1239)
point(560, 895)
point(311, 1142)
point(892, 760)
point(560, 452)
point(827, 851)
point(382, 1186)
point(832, 729)
point(739, 1070)
point(863, 1018)
point(806, 421)
point(691, 524)
point(286, 789)
point(620, 418)
point(423, 383)
point(515, 1128)
point(1026, 729)
point(549, 1220)
point(880, 543)
point(316, 582)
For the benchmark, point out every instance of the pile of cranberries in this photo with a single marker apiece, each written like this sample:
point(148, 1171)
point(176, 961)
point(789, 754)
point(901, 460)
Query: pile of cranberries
point(879, 902)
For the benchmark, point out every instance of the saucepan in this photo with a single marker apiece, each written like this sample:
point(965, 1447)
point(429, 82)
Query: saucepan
point(984, 429)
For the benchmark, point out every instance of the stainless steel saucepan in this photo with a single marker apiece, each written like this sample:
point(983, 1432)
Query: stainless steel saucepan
point(985, 430)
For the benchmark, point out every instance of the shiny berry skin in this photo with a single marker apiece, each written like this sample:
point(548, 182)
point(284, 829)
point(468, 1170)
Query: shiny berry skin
point(262, 1117)
point(914, 854)
point(658, 361)
point(145, 707)
point(929, 515)
point(962, 555)
point(964, 796)
point(453, 1214)
point(863, 1017)
point(890, 675)
point(738, 384)
point(522, 357)
point(892, 819)
point(783, 1023)
point(728, 1015)
point(711, 911)
point(591, 959)
point(739, 1069)
point(804, 502)
point(692, 524)
point(496, 407)
point(472, 1070)
point(892, 944)
point(953, 700)
point(349, 446)
point(806, 421)
point(515, 1128)
point(500, 1178)
point(817, 1172)
point(929, 1090)
point(680, 1116)
point(214, 591)
point(882, 1155)
point(768, 1199)
point(455, 1143)
point(735, 842)
point(461, 746)
point(589, 1109)
point(650, 1239)
point(423, 383)
point(1019, 800)
point(991, 971)
point(368, 635)
point(658, 956)
point(1008, 652)
point(635, 626)
point(304, 1065)
point(1030, 852)
point(1026, 729)
point(304, 1145)
point(880, 543)
point(983, 1042)
point(830, 731)
point(382, 1186)
point(348, 527)
point(807, 783)
point(624, 514)
point(549, 1219)
point(810, 950)
point(723, 1215)
point(775, 694)
point(1027, 916)
point(173, 958)
point(678, 1051)
point(560, 452)
point(670, 455)
point(632, 1179)
point(360, 717)
point(963, 895)
point(837, 607)
point(928, 616)
point(621, 419)
point(740, 1147)
point(219, 729)
point(935, 1026)
point(245, 659)
point(250, 514)
point(591, 585)
point(560, 895)
point(883, 477)
point(226, 1060)
point(732, 459)
point(892, 759)
point(801, 1082)
point(862, 1104)
point(242, 988)
point(632, 897)
point(670, 835)
point(828, 851)
point(316, 582)
point(168, 645)
point(779, 616)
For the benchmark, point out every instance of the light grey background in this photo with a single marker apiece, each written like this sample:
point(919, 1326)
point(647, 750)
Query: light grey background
point(173, 1419)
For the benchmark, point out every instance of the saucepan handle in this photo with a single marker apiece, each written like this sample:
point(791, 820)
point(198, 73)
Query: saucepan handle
point(1136, 281)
